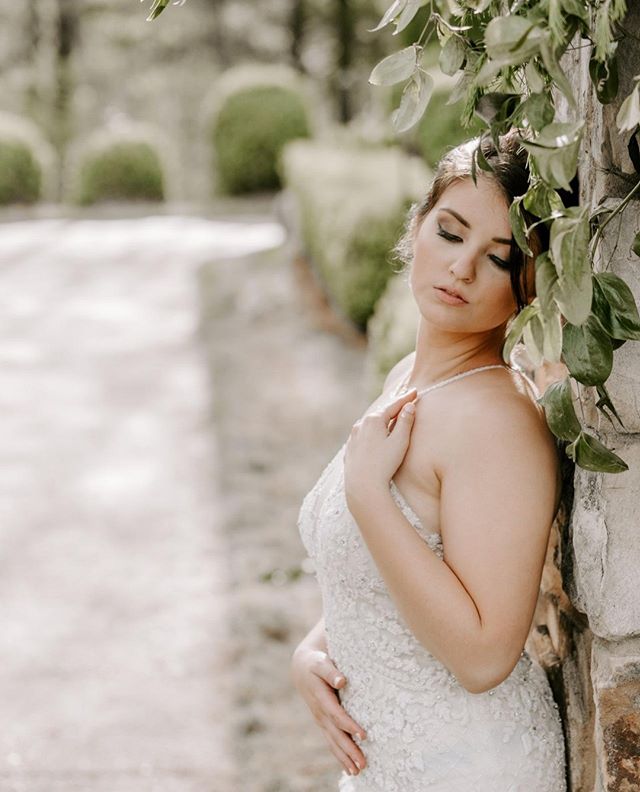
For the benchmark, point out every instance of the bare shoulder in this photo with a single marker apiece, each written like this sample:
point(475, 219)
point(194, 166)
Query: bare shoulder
point(399, 370)
point(499, 424)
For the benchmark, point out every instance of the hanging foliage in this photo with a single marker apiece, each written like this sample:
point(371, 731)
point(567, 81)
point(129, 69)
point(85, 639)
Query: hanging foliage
point(507, 59)
point(158, 6)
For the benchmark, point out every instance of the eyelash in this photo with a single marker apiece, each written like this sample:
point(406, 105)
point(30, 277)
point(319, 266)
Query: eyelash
point(452, 238)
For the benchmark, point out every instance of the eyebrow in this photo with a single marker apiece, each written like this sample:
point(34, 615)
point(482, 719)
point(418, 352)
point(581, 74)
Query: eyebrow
point(501, 240)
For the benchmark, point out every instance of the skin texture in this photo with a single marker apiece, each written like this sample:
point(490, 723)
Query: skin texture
point(476, 461)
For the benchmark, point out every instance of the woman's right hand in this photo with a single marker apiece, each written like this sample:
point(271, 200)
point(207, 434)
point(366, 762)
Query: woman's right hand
point(316, 678)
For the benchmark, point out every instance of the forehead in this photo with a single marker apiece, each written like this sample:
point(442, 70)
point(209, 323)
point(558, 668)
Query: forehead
point(482, 204)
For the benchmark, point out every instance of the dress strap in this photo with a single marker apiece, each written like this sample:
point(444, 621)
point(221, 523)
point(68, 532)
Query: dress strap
point(455, 377)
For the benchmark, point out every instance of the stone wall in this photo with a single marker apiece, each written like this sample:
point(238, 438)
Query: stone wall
point(587, 630)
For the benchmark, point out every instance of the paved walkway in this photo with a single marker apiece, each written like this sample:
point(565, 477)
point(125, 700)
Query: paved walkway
point(112, 575)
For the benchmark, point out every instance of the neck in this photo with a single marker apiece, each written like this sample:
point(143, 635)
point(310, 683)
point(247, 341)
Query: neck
point(441, 354)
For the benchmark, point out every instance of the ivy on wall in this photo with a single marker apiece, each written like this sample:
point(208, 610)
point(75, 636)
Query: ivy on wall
point(507, 59)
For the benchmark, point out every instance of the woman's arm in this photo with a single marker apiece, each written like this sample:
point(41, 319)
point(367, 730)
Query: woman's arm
point(473, 610)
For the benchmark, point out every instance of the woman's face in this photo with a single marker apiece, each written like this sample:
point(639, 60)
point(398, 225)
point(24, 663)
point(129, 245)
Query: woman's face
point(463, 244)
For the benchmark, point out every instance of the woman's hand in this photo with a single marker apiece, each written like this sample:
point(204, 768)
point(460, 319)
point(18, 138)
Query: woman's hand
point(314, 675)
point(376, 447)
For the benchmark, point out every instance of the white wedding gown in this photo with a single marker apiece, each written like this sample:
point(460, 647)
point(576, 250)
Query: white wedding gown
point(424, 730)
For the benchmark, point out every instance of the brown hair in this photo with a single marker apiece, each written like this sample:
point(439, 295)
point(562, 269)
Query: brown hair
point(510, 174)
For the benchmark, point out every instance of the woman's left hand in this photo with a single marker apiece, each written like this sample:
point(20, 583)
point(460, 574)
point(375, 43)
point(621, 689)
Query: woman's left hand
point(376, 447)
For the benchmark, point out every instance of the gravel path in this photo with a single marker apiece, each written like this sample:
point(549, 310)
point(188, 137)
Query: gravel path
point(289, 384)
point(114, 649)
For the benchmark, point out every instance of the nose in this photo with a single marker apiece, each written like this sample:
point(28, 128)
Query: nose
point(464, 266)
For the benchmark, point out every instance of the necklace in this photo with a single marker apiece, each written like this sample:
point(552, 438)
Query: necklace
point(441, 383)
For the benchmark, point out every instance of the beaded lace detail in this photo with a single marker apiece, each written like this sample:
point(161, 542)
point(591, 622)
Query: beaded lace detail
point(424, 730)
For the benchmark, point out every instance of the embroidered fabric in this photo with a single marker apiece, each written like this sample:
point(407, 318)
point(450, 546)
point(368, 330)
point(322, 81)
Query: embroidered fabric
point(424, 730)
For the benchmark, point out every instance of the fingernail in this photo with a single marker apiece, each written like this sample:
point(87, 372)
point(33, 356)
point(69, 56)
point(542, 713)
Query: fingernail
point(338, 680)
point(357, 764)
point(409, 408)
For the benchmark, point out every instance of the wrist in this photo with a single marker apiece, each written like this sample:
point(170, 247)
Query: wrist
point(369, 500)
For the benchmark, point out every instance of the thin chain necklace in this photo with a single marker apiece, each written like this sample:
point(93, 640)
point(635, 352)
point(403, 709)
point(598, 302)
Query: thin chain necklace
point(446, 381)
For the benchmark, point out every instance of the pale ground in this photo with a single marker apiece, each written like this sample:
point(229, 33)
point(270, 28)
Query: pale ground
point(113, 577)
point(289, 384)
point(150, 567)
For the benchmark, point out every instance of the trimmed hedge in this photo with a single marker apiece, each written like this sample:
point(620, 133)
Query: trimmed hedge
point(20, 173)
point(391, 331)
point(352, 203)
point(249, 132)
point(126, 170)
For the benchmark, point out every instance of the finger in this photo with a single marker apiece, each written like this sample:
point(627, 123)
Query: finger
point(331, 707)
point(344, 744)
point(393, 407)
point(342, 757)
point(326, 669)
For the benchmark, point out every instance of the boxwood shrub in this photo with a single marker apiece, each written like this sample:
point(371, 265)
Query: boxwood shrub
point(391, 332)
point(20, 172)
point(120, 170)
point(249, 131)
point(351, 204)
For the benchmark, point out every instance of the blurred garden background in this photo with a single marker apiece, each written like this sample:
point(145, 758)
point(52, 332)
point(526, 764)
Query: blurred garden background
point(198, 300)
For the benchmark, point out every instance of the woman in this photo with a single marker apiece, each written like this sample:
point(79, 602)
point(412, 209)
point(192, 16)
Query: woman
point(429, 527)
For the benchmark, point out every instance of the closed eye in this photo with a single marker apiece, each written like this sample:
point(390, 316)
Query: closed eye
point(452, 238)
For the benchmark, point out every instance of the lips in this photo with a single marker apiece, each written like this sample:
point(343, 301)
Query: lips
point(451, 292)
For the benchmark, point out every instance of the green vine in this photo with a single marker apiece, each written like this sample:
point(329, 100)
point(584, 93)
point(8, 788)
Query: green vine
point(158, 6)
point(507, 59)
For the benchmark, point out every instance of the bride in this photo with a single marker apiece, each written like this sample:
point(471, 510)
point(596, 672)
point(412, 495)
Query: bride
point(429, 527)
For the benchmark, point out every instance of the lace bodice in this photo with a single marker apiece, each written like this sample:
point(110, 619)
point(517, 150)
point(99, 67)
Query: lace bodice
point(424, 730)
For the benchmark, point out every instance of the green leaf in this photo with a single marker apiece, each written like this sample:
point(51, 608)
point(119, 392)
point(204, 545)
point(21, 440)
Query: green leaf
point(628, 116)
point(559, 411)
point(604, 76)
point(414, 101)
point(157, 8)
point(589, 453)
point(481, 160)
point(604, 403)
point(487, 73)
point(516, 329)
point(395, 68)
point(552, 65)
point(535, 82)
point(552, 329)
point(452, 55)
point(533, 337)
point(587, 352)
point(539, 110)
point(556, 21)
point(541, 200)
point(576, 8)
point(510, 40)
point(408, 13)
point(496, 106)
point(635, 245)
point(569, 244)
point(394, 9)
point(615, 307)
point(555, 152)
point(519, 227)
point(546, 280)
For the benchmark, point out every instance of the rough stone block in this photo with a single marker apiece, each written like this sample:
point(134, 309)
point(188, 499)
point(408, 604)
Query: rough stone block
point(605, 535)
point(615, 675)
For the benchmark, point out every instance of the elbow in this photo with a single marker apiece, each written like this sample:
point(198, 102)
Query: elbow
point(485, 678)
